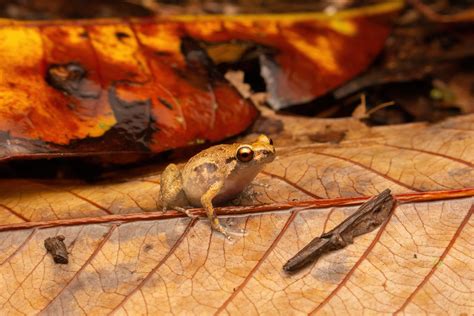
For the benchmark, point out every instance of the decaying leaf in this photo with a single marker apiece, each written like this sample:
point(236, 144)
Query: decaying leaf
point(107, 87)
point(418, 51)
point(147, 85)
point(127, 257)
point(330, 49)
point(420, 261)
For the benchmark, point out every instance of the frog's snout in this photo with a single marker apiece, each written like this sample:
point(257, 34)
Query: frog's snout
point(268, 155)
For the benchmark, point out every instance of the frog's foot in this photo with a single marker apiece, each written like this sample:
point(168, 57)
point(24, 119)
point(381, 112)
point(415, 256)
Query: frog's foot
point(186, 211)
point(191, 215)
point(227, 231)
point(234, 231)
point(240, 232)
point(219, 228)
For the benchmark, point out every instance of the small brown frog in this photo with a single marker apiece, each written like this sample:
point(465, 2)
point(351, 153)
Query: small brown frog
point(215, 175)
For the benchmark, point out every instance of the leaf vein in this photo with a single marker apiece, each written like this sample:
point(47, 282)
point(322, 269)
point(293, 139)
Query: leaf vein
point(356, 265)
point(86, 263)
point(27, 239)
point(371, 170)
point(259, 263)
point(11, 210)
point(438, 262)
point(291, 183)
point(160, 263)
point(91, 202)
point(464, 162)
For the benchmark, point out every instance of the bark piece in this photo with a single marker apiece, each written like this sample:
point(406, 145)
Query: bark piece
point(57, 248)
point(369, 216)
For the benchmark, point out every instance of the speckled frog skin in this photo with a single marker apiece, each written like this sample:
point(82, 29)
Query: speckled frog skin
point(213, 176)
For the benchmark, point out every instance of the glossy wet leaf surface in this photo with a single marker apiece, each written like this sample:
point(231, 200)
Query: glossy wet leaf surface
point(125, 257)
point(140, 86)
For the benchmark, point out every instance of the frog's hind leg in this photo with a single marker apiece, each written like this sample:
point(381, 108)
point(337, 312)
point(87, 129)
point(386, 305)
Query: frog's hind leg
point(171, 188)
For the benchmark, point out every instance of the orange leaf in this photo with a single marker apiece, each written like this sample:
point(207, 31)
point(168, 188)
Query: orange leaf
point(147, 85)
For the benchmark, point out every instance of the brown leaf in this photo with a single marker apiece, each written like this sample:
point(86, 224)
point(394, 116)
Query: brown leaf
point(417, 262)
point(406, 159)
point(323, 45)
point(127, 257)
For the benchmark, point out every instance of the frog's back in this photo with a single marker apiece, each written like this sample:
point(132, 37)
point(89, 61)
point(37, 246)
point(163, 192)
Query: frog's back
point(206, 168)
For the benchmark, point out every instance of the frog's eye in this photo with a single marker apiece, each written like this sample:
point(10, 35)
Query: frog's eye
point(245, 154)
point(270, 140)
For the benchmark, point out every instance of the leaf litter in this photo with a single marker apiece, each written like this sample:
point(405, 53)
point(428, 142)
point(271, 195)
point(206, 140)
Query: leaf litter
point(131, 257)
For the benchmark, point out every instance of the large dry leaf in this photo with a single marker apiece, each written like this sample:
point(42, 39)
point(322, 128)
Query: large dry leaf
point(127, 258)
point(405, 158)
point(420, 261)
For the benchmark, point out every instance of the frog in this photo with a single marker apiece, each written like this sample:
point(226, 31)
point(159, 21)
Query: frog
point(214, 176)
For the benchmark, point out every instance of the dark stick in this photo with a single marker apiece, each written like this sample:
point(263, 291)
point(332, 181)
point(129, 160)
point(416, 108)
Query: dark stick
point(369, 216)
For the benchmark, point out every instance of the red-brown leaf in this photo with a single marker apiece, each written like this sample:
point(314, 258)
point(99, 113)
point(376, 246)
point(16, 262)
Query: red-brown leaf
point(135, 86)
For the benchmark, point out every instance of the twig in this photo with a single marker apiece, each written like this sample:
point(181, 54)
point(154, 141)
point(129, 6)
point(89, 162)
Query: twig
point(369, 216)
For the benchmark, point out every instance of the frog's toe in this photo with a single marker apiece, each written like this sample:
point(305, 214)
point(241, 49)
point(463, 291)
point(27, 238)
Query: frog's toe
point(242, 231)
point(219, 228)
point(238, 232)
point(225, 233)
point(189, 213)
point(228, 232)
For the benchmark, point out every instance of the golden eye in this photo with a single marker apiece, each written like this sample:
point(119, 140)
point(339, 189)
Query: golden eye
point(245, 154)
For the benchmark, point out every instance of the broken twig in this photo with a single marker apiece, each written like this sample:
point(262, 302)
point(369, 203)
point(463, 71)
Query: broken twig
point(369, 216)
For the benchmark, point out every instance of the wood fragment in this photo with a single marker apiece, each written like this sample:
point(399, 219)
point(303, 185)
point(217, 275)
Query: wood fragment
point(465, 16)
point(368, 217)
point(57, 248)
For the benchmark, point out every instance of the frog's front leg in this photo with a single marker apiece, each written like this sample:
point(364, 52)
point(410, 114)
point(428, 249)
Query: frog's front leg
point(206, 201)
